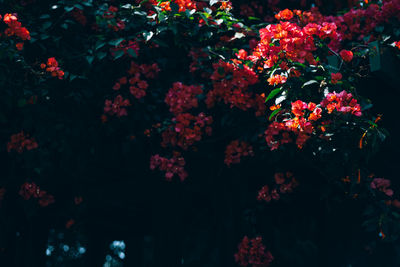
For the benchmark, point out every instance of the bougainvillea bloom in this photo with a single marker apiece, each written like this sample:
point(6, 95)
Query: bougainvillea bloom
point(336, 77)
point(52, 67)
point(277, 79)
point(31, 190)
point(21, 142)
point(171, 166)
point(382, 185)
point(341, 102)
point(186, 130)
point(231, 84)
point(252, 252)
point(117, 107)
point(284, 15)
point(346, 55)
point(181, 98)
point(236, 150)
point(14, 27)
point(285, 183)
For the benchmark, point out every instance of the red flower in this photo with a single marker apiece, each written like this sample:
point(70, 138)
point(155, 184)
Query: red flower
point(19, 142)
point(253, 253)
point(341, 102)
point(235, 150)
point(397, 44)
point(382, 185)
point(242, 54)
point(181, 98)
point(335, 77)
point(298, 108)
point(117, 107)
point(284, 15)
point(53, 68)
point(172, 166)
point(346, 55)
point(29, 190)
point(19, 46)
point(277, 79)
point(69, 223)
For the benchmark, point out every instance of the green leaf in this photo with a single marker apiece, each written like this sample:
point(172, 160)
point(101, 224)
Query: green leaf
point(72, 77)
point(46, 25)
point(162, 17)
point(276, 111)
point(221, 71)
point(101, 55)
point(116, 42)
point(90, 59)
point(45, 16)
point(374, 56)
point(68, 9)
point(273, 94)
point(118, 54)
point(99, 44)
point(132, 52)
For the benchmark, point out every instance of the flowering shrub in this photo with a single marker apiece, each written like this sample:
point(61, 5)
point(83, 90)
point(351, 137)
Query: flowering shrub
point(159, 90)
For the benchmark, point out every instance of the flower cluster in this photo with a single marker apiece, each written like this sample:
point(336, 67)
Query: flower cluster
point(236, 150)
point(137, 85)
point(300, 125)
point(274, 130)
point(14, 27)
point(197, 56)
point(186, 130)
point(285, 183)
point(277, 79)
point(382, 185)
point(52, 67)
point(183, 5)
point(359, 23)
point(117, 107)
point(285, 14)
point(181, 98)
point(288, 42)
point(341, 102)
point(29, 190)
point(231, 84)
point(336, 77)
point(171, 166)
point(252, 252)
point(20, 142)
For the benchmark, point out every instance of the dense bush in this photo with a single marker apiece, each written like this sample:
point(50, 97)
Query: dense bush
point(202, 133)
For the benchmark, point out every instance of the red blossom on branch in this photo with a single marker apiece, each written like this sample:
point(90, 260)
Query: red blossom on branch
point(20, 142)
point(252, 252)
point(236, 150)
point(171, 166)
